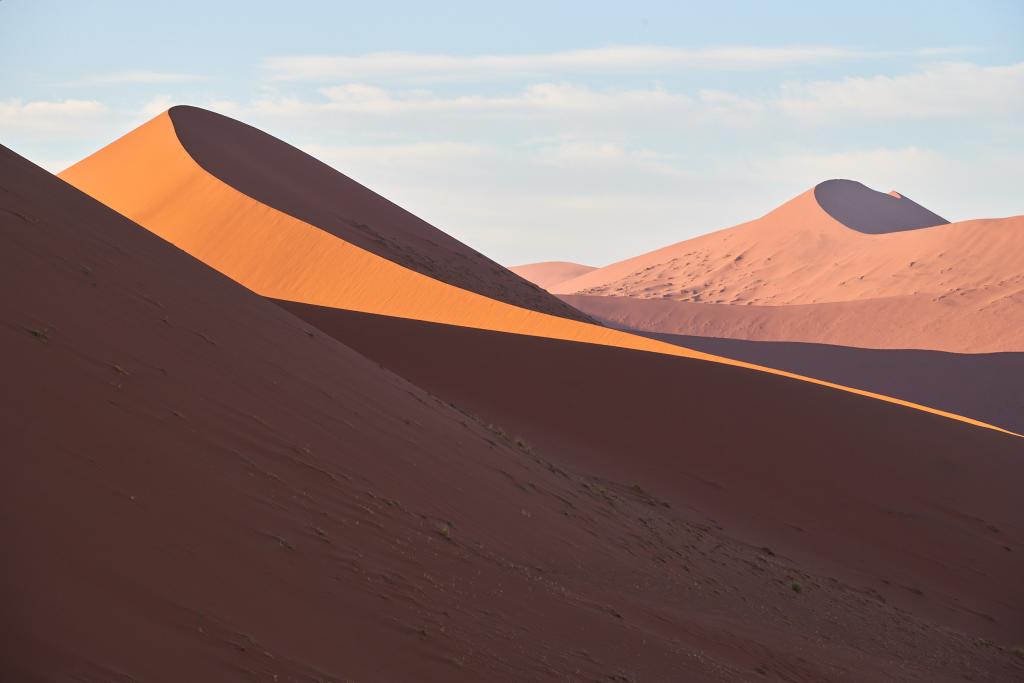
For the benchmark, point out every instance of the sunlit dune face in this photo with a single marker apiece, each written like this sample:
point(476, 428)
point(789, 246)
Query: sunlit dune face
point(149, 177)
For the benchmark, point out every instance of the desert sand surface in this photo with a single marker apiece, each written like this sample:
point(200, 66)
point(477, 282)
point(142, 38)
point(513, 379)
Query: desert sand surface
point(917, 511)
point(550, 273)
point(150, 177)
point(799, 274)
point(200, 486)
point(914, 322)
point(985, 386)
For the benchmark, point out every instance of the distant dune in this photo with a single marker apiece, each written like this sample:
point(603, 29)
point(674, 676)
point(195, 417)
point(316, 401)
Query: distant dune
point(799, 274)
point(550, 273)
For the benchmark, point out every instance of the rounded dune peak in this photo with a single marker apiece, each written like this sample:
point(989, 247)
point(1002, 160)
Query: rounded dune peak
point(860, 208)
point(289, 180)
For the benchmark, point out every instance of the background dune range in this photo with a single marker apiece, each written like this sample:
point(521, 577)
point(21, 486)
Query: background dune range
point(150, 177)
point(799, 274)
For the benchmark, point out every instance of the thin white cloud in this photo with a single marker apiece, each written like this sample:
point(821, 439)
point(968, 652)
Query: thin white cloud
point(136, 77)
point(555, 98)
point(419, 155)
point(48, 116)
point(881, 167)
point(628, 58)
point(157, 105)
point(942, 91)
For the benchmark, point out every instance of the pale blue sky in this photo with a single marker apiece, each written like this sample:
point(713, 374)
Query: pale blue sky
point(579, 131)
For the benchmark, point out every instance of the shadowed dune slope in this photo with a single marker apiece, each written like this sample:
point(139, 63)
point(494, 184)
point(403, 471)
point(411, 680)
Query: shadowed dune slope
point(985, 386)
point(293, 182)
point(865, 210)
point(955, 287)
point(149, 177)
point(550, 273)
point(197, 486)
point(917, 509)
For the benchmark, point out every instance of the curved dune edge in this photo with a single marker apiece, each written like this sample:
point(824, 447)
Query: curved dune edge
point(860, 208)
point(285, 178)
point(279, 256)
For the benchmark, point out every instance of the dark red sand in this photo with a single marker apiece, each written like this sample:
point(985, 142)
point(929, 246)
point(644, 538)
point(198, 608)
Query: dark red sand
point(918, 507)
point(198, 486)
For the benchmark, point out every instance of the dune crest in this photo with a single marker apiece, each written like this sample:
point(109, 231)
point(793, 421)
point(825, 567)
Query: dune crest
point(285, 178)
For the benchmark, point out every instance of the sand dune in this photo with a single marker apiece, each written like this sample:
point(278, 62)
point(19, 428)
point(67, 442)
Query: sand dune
point(149, 176)
point(550, 273)
point(985, 386)
point(295, 183)
point(954, 287)
point(902, 505)
point(200, 486)
point(973, 323)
